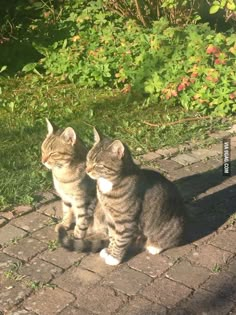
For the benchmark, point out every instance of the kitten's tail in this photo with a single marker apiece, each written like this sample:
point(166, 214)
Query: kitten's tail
point(83, 245)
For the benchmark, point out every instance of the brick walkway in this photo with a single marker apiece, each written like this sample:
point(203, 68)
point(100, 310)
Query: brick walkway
point(37, 277)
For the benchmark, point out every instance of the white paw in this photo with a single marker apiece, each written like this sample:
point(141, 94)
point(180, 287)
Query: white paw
point(154, 250)
point(104, 253)
point(112, 261)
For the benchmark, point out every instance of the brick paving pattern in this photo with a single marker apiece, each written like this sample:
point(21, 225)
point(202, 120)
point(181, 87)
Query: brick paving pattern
point(37, 277)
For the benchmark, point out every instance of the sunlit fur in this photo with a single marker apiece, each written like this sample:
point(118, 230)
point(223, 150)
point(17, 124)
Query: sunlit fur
point(64, 154)
point(140, 201)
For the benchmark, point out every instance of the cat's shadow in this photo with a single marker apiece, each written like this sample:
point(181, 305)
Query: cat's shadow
point(208, 205)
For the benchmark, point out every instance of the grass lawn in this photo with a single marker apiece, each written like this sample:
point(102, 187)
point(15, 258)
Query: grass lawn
point(25, 103)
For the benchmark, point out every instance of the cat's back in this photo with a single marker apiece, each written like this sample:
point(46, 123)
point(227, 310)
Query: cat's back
point(150, 180)
point(158, 192)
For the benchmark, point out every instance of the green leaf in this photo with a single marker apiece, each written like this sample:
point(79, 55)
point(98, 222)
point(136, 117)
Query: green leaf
point(3, 69)
point(231, 6)
point(29, 67)
point(215, 8)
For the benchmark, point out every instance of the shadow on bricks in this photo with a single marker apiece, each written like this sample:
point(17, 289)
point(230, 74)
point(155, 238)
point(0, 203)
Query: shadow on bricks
point(210, 199)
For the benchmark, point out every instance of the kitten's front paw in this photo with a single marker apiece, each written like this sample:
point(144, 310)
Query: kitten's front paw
point(112, 261)
point(104, 253)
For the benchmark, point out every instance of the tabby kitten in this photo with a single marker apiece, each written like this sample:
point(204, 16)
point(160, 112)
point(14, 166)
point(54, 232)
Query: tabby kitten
point(135, 201)
point(65, 154)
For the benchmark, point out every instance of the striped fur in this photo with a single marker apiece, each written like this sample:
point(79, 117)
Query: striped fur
point(96, 238)
point(135, 201)
point(65, 154)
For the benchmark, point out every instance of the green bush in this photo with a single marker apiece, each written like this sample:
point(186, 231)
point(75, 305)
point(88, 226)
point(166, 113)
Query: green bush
point(191, 66)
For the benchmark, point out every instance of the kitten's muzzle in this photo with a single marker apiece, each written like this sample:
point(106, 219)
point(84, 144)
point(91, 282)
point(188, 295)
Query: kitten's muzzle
point(44, 159)
point(88, 169)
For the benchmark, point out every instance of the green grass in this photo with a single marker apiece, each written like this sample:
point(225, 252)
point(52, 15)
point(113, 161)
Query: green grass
point(25, 103)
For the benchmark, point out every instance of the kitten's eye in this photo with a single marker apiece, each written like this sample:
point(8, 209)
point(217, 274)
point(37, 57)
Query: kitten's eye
point(99, 166)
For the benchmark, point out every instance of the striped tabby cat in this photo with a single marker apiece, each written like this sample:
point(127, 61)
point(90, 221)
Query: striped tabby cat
point(135, 201)
point(65, 154)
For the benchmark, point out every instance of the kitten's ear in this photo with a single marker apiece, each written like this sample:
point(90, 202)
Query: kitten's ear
point(118, 148)
point(69, 135)
point(97, 135)
point(50, 127)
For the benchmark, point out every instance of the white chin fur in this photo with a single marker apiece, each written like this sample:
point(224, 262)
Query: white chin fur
point(154, 250)
point(47, 166)
point(104, 185)
point(90, 175)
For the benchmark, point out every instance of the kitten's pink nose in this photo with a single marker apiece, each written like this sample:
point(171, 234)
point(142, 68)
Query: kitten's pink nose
point(88, 169)
point(44, 159)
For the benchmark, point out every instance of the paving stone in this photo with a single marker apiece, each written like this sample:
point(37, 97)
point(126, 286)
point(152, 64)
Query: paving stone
point(49, 301)
point(62, 257)
point(232, 129)
point(3, 221)
point(166, 292)
point(52, 209)
point(223, 284)
point(151, 265)
point(7, 215)
point(177, 252)
point(111, 301)
point(6, 261)
point(203, 234)
point(31, 222)
point(151, 156)
point(227, 183)
point(94, 263)
point(9, 233)
point(45, 234)
point(39, 270)
point(45, 196)
point(141, 306)
point(178, 174)
point(127, 280)
point(220, 134)
point(204, 302)
point(186, 159)
point(193, 169)
point(188, 146)
point(12, 293)
point(209, 256)
point(216, 147)
point(225, 240)
point(26, 249)
point(167, 152)
point(185, 273)
point(231, 267)
point(76, 279)
point(203, 154)
point(233, 141)
point(71, 310)
point(206, 173)
point(22, 209)
point(168, 165)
